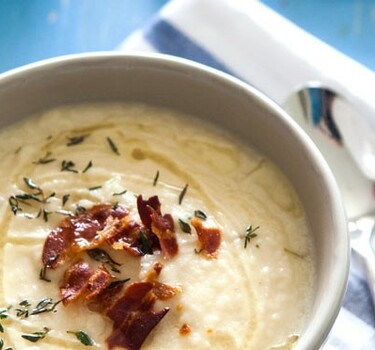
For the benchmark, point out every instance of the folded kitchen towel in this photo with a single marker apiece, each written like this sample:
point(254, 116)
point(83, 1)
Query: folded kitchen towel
point(248, 40)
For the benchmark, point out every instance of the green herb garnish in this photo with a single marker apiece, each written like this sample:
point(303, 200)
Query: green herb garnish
point(200, 214)
point(68, 165)
point(14, 205)
point(88, 166)
point(145, 247)
point(82, 337)
point(250, 233)
point(35, 336)
point(76, 140)
point(182, 194)
point(156, 178)
point(116, 283)
point(119, 193)
point(103, 257)
point(94, 188)
point(46, 159)
point(185, 227)
point(31, 184)
point(65, 198)
point(113, 146)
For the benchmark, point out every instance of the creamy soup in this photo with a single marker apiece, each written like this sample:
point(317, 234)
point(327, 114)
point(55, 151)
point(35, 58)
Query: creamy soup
point(252, 291)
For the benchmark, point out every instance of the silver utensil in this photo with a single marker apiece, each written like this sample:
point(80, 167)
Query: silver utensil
point(317, 110)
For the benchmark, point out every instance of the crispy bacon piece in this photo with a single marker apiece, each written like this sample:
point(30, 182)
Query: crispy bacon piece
point(143, 209)
point(162, 291)
point(209, 237)
point(135, 329)
point(133, 316)
point(100, 280)
point(163, 227)
point(78, 233)
point(137, 296)
point(125, 236)
point(75, 281)
point(160, 225)
point(104, 300)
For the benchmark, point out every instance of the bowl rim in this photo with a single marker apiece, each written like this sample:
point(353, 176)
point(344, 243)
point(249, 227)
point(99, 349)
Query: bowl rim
point(315, 332)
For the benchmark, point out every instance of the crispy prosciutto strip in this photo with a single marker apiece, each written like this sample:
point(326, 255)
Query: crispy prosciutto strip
point(99, 281)
point(78, 233)
point(125, 236)
point(133, 316)
point(143, 209)
point(209, 237)
point(135, 329)
point(75, 281)
point(163, 227)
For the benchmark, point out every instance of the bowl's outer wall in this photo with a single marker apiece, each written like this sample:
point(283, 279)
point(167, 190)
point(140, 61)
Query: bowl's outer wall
point(225, 101)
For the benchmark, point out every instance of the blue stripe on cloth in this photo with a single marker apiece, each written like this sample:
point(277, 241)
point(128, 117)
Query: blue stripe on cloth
point(358, 300)
point(165, 38)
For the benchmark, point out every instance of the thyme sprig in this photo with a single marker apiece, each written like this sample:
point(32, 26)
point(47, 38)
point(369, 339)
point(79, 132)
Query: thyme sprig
point(46, 159)
point(113, 146)
point(35, 336)
point(36, 195)
point(103, 257)
point(76, 140)
point(200, 214)
point(83, 337)
point(65, 198)
point(185, 227)
point(145, 247)
point(88, 166)
point(156, 178)
point(119, 193)
point(250, 234)
point(68, 165)
point(182, 194)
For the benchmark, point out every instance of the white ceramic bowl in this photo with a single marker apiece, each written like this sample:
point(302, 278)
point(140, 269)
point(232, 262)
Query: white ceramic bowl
point(223, 100)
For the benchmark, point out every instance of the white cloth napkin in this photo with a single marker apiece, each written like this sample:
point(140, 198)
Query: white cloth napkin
point(248, 40)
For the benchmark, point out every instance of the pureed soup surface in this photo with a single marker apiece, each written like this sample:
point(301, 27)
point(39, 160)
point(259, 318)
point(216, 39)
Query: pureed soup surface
point(237, 287)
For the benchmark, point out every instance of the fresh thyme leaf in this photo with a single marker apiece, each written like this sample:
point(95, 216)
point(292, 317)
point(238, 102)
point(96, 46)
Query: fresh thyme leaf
point(94, 188)
point(119, 193)
point(2, 331)
point(47, 305)
point(76, 140)
point(196, 251)
point(45, 215)
point(116, 283)
point(200, 214)
point(28, 196)
point(88, 166)
point(65, 198)
point(4, 313)
point(156, 178)
point(83, 337)
point(185, 227)
point(29, 183)
point(2, 341)
point(250, 233)
point(182, 194)
point(24, 303)
point(113, 146)
point(46, 159)
point(145, 247)
point(80, 209)
point(68, 165)
point(35, 336)
point(14, 205)
point(48, 264)
point(64, 212)
point(103, 257)
point(291, 252)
